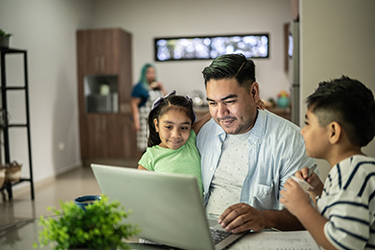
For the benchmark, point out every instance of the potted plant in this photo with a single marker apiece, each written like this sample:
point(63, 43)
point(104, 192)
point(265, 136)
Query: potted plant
point(4, 39)
point(95, 227)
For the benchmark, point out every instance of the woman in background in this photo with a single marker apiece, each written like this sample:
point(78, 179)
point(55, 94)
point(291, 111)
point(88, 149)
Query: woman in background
point(144, 93)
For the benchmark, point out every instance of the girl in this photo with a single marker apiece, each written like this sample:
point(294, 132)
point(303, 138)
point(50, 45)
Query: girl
point(171, 144)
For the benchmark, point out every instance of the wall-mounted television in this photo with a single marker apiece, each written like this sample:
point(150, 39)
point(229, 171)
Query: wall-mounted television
point(210, 47)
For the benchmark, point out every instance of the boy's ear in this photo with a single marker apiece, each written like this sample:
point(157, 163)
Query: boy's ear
point(156, 125)
point(335, 132)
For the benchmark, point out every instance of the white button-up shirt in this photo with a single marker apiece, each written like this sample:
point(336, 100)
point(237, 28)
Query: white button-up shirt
point(276, 151)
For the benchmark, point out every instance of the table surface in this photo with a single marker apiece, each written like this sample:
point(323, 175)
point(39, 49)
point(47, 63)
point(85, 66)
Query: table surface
point(22, 235)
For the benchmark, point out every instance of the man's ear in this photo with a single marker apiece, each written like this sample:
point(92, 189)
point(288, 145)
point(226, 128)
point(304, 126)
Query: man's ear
point(156, 125)
point(254, 91)
point(335, 132)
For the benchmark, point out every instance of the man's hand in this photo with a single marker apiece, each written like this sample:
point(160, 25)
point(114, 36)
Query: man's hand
point(242, 217)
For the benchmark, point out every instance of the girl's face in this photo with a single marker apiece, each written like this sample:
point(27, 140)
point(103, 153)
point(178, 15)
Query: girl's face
point(316, 137)
point(173, 128)
point(150, 74)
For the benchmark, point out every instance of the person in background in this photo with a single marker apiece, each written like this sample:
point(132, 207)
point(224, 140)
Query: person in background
point(340, 120)
point(144, 93)
point(247, 154)
point(171, 144)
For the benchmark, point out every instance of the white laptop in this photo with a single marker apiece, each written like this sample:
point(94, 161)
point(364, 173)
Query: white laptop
point(167, 207)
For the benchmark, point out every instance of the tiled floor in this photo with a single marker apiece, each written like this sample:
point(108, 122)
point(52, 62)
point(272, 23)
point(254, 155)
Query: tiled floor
point(67, 186)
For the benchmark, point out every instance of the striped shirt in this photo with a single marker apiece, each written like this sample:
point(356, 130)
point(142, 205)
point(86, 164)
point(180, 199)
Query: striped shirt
point(348, 203)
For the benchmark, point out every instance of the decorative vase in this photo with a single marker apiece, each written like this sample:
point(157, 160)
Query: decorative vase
point(4, 41)
point(283, 102)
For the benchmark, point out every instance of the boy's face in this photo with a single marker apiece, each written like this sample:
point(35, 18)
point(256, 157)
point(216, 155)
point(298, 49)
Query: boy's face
point(173, 128)
point(316, 137)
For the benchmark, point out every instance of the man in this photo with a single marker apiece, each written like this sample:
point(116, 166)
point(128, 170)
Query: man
point(247, 154)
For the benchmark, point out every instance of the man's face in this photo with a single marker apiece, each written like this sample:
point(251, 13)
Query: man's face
point(233, 107)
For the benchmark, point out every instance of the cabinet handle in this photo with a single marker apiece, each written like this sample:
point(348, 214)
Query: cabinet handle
point(97, 61)
point(102, 63)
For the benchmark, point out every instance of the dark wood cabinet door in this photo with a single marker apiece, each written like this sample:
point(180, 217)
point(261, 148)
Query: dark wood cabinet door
point(103, 53)
point(98, 51)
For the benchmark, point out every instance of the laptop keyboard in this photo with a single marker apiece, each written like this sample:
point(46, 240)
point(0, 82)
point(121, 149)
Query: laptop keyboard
point(219, 235)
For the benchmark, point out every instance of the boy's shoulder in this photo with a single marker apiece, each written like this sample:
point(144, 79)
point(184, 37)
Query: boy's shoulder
point(356, 161)
point(354, 169)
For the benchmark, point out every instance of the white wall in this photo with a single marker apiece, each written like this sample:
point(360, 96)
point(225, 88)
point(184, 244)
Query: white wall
point(46, 29)
point(337, 37)
point(148, 19)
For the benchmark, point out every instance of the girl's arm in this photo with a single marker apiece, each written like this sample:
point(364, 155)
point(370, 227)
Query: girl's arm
point(198, 124)
point(141, 167)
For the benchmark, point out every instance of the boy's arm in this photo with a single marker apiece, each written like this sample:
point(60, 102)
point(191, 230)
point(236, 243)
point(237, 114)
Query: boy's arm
point(313, 180)
point(198, 124)
point(298, 204)
point(314, 222)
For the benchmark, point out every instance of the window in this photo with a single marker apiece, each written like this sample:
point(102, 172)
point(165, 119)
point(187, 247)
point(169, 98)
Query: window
point(210, 47)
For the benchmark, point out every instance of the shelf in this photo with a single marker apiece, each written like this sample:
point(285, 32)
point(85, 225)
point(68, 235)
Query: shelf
point(13, 88)
point(13, 126)
point(11, 50)
point(6, 126)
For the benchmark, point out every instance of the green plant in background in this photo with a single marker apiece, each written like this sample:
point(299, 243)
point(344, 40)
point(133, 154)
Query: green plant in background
point(4, 34)
point(98, 227)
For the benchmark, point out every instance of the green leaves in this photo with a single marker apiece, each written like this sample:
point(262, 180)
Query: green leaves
point(3, 33)
point(99, 227)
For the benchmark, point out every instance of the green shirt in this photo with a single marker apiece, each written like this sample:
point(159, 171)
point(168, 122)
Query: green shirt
point(184, 160)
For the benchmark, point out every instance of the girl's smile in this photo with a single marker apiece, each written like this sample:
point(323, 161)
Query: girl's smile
point(173, 128)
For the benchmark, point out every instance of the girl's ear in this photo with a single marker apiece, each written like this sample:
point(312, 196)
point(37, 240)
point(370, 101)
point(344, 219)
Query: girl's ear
point(335, 132)
point(156, 125)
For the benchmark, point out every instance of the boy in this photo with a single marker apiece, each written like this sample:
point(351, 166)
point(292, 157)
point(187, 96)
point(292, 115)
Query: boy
point(339, 121)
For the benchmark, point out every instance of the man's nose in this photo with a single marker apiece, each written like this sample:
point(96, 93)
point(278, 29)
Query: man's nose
point(222, 110)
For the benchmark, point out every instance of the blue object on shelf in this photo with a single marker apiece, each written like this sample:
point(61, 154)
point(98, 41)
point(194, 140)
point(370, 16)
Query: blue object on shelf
point(283, 102)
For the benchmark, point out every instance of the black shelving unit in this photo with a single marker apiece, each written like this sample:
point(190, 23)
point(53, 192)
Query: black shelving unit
point(6, 125)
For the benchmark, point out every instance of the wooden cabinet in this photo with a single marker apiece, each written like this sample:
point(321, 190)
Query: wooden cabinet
point(104, 58)
point(100, 51)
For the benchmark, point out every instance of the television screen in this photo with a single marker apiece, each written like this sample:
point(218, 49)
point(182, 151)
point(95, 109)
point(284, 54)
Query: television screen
point(198, 48)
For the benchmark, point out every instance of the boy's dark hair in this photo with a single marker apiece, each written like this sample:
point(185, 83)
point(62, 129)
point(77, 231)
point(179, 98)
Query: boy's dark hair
point(231, 66)
point(348, 102)
point(172, 102)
